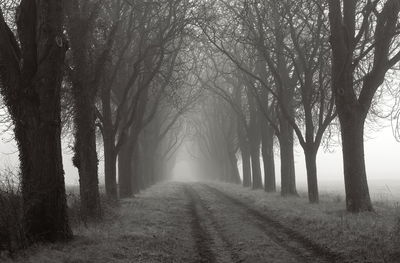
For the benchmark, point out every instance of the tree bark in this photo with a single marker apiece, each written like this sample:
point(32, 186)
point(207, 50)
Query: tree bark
point(136, 179)
point(32, 94)
point(254, 141)
point(84, 94)
point(85, 157)
point(255, 162)
point(125, 157)
point(110, 151)
point(356, 185)
point(288, 178)
point(110, 168)
point(246, 166)
point(268, 158)
point(312, 181)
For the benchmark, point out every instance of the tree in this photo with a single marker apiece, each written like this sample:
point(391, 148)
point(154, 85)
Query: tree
point(301, 69)
point(233, 39)
point(290, 57)
point(88, 54)
point(32, 94)
point(364, 37)
point(149, 40)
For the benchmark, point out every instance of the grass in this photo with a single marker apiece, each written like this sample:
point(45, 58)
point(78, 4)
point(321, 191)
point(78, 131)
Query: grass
point(11, 230)
point(364, 237)
point(147, 228)
point(151, 228)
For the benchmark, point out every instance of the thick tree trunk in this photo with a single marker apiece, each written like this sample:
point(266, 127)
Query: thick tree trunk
point(312, 182)
point(356, 185)
point(43, 188)
point(288, 178)
point(267, 138)
point(85, 155)
point(34, 103)
point(85, 158)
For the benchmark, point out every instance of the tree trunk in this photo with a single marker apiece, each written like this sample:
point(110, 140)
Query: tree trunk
point(254, 141)
point(110, 151)
point(268, 157)
point(246, 166)
point(43, 188)
point(136, 179)
point(85, 157)
point(234, 177)
point(355, 178)
point(255, 163)
point(312, 182)
point(245, 153)
point(33, 100)
point(125, 157)
point(110, 168)
point(288, 178)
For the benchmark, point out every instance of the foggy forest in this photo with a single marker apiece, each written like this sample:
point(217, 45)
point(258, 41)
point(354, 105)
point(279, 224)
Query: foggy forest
point(199, 131)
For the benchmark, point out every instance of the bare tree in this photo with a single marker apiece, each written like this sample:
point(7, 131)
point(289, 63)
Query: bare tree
point(364, 38)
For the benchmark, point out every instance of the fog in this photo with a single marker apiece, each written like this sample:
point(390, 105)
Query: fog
point(382, 153)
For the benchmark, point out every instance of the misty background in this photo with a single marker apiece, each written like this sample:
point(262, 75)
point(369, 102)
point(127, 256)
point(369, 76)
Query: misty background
point(382, 152)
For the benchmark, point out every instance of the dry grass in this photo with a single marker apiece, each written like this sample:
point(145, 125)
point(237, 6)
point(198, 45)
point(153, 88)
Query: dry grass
point(147, 228)
point(11, 230)
point(151, 228)
point(364, 237)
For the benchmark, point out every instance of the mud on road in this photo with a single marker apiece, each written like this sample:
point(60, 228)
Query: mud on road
point(228, 230)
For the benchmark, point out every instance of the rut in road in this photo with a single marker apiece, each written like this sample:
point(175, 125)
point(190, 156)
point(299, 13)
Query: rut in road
point(283, 234)
point(200, 234)
point(246, 235)
point(219, 243)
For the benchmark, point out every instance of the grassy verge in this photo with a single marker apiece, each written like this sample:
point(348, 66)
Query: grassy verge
point(364, 237)
point(147, 228)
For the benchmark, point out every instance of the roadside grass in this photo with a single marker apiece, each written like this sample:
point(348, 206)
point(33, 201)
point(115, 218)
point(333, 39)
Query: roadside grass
point(147, 228)
point(364, 237)
point(11, 230)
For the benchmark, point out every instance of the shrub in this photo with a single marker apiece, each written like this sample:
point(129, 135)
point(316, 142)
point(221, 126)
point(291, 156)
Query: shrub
point(11, 228)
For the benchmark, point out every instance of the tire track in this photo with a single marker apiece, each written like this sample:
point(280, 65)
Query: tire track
point(200, 234)
point(224, 243)
point(301, 247)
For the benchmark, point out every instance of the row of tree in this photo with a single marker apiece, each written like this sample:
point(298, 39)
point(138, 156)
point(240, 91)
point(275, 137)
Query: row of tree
point(132, 70)
point(86, 68)
point(289, 68)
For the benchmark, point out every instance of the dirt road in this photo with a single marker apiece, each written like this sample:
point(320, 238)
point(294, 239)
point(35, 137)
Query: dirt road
point(228, 230)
